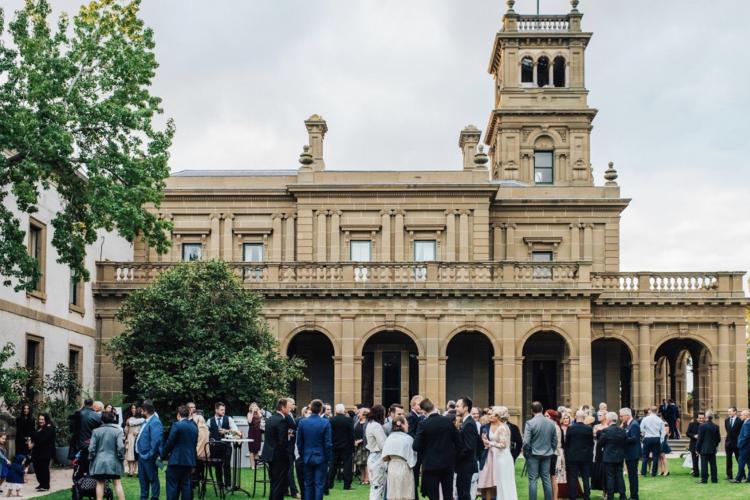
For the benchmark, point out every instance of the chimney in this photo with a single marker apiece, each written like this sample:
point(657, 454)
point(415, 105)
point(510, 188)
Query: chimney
point(468, 141)
point(316, 131)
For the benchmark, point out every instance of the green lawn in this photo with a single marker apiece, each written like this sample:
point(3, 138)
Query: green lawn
point(680, 485)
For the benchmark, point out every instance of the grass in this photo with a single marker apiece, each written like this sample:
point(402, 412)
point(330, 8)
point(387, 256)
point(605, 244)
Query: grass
point(680, 485)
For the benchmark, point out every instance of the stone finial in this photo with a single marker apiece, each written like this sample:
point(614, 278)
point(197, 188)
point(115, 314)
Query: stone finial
point(510, 4)
point(574, 4)
point(481, 158)
point(467, 141)
point(305, 158)
point(610, 175)
point(316, 131)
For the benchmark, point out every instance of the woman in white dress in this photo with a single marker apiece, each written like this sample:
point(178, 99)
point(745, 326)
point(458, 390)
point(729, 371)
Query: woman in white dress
point(497, 479)
point(132, 428)
point(375, 439)
point(400, 459)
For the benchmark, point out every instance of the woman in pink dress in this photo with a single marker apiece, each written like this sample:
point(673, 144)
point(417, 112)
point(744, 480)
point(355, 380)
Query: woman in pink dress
point(497, 477)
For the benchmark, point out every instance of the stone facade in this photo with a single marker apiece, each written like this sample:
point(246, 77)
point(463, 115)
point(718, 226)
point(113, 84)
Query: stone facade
point(500, 279)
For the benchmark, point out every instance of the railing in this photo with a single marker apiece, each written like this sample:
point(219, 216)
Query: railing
point(488, 275)
point(547, 23)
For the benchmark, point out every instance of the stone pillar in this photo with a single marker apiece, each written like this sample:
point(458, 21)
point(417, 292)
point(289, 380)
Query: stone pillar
point(510, 242)
point(583, 377)
point(645, 367)
point(724, 394)
point(497, 241)
point(226, 237)
point(321, 235)
point(289, 238)
point(175, 255)
point(357, 391)
point(398, 247)
point(467, 141)
point(450, 235)
point(510, 394)
point(498, 365)
point(463, 235)
point(575, 242)
point(740, 366)
point(442, 368)
point(338, 380)
point(316, 131)
point(588, 242)
point(350, 393)
point(432, 380)
point(335, 235)
point(215, 238)
point(305, 235)
point(385, 235)
point(276, 237)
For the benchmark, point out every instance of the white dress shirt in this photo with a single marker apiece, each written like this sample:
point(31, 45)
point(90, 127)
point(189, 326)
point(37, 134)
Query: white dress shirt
point(652, 426)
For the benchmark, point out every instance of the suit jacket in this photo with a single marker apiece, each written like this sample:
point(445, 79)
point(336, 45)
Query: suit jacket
point(436, 443)
point(413, 420)
point(181, 443)
point(88, 420)
point(342, 432)
point(516, 440)
point(275, 446)
point(148, 442)
point(743, 441)
point(709, 438)
point(470, 446)
point(613, 439)
point(733, 431)
point(314, 440)
point(579, 443)
point(540, 436)
point(692, 433)
point(633, 449)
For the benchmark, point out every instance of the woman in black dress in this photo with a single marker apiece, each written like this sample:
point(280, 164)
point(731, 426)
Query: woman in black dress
point(42, 450)
point(598, 473)
point(24, 429)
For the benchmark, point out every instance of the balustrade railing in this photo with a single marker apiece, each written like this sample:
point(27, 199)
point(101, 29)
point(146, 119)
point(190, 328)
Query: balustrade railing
point(551, 23)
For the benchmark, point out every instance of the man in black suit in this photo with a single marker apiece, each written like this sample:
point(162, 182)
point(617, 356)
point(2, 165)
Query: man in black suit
point(414, 418)
point(579, 448)
point(180, 448)
point(342, 429)
point(732, 426)
point(516, 440)
point(466, 459)
point(614, 439)
point(291, 483)
point(436, 442)
point(276, 449)
point(709, 438)
point(633, 449)
point(692, 433)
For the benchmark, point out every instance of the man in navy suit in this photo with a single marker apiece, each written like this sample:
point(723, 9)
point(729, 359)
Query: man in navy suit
point(315, 447)
point(743, 445)
point(633, 450)
point(147, 445)
point(180, 448)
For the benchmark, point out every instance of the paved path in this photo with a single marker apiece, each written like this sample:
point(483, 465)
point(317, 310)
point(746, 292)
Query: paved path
point(60, 479)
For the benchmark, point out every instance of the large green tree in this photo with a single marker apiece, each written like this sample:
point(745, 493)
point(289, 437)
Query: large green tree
point(197, 334)
point(76, 113)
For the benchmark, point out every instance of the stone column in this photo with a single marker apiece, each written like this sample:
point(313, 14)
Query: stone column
point(450, 235)
point(575, 242)
point(510, 242)
point(498, 364)
point(511, 386)
point(276, 237)
point(442, 369)
point(497, 242)
point(645, 367)
point(583, 377)
point(385, 235)
point(724, 394)
point(463, 235)
point(398, 247)
point(349, 395)
point(321, 234)
point(226, 238)
point(176, 252)
point(588, 242)
point(357, 390)
point(215, 238)
point(740, 366)
point(433, 367)
point(305, 235)
point(335, 235)
point(289, 238)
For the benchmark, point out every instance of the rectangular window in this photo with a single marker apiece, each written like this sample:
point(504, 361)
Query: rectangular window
point(360, 251)
point(252, 252)
point(76, 294)
point(34, 363)
point(543, 167)
point(74, 361)
point(37, 237)
point(192, 251)
point(425, 250)
point(33, 354)
point(541, 256)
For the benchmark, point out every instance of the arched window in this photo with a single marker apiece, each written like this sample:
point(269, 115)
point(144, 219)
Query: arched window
point(542, 71)
point(558, 71)
point(527, 70)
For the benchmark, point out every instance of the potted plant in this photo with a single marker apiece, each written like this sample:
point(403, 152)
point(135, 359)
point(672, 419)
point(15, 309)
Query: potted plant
point(62, 392)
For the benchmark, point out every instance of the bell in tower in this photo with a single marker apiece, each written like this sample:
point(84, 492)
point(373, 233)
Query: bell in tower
point(539, 131)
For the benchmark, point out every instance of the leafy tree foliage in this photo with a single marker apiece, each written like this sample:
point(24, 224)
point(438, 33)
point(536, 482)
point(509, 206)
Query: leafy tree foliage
point(76, 113)
point(196, 335)
point(13, 380)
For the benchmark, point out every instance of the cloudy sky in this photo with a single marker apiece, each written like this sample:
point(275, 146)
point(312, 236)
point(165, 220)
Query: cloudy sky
point(397, 80)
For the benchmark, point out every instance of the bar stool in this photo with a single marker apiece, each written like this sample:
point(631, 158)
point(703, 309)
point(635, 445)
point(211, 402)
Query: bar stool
point(260, 464)
point(214, 459)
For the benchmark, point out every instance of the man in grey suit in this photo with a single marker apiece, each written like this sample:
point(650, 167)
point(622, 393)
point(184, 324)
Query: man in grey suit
point(539, 444)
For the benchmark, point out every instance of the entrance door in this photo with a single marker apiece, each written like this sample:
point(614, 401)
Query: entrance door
point(544, 382)
point(391, 378)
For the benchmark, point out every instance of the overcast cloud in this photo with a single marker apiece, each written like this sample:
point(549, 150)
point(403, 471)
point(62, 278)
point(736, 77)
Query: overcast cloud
point(397, 80)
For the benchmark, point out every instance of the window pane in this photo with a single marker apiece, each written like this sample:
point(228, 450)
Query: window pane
point(360, 250)
point(541, 256)
point(543, 176)
point(32, 354)
point(252, 252)
point(424, 250)
point(527, 70)
point(73, 291)
point(543, 159)
point(192, 251)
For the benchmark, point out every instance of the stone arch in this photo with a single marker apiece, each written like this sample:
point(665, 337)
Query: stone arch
point(546, 370)
point(470, 365)
point(494, 342)
point(284, 344)
point(318, 352)
point(549, 132)
point(390, 366)
point(521, 341)
point(632, 348)
point(612, 362)
point(383, 328)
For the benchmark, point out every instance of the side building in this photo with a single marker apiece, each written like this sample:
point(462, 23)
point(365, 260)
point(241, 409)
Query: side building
point(500, 279)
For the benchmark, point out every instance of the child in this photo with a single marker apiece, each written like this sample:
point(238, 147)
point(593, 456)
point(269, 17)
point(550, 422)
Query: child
point(14, 480)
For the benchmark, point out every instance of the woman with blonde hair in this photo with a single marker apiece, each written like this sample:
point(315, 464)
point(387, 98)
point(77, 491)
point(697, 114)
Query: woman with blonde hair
point(254, 432)
point(497, 478)
point(203, 432)
point(401, 459)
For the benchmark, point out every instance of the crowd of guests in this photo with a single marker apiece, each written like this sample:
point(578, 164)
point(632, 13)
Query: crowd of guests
point(462, 453)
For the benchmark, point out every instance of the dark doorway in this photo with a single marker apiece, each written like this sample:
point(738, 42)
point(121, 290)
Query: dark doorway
point(544, 383)
point(544, 373)
point(391, 378)
point(390, 369)
point(611, 373)
point(317, 352)
point(470, 369)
